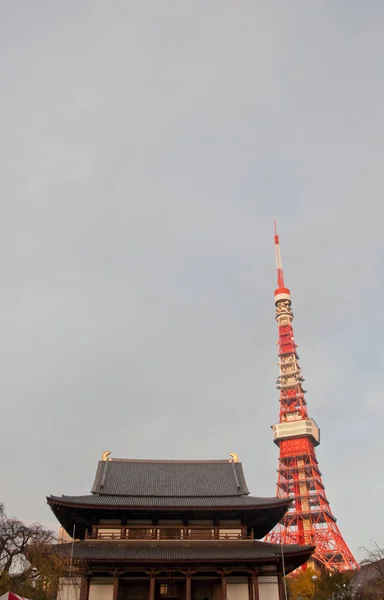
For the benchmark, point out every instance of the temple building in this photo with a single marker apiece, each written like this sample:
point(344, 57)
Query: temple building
point(161, 530)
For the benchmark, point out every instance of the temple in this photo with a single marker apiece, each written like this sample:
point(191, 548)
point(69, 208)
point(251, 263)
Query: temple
point(160, 530)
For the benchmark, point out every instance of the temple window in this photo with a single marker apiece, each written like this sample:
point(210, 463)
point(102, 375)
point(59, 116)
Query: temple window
point(170, 533)
point(169, 590)
point(230, 534)
point(139, 533)
point(200, 534)
point(109, 533)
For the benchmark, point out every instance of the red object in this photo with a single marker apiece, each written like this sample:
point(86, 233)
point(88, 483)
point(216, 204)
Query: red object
point(11, 596)
point(309, 520)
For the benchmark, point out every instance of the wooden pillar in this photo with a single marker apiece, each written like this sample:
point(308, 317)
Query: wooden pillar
point(115, 586)
point(250, 588)
point(255, 581)
point(188, 586)
point(84, 588)
point(281, 587)
point(152, 583)
point(223, 587)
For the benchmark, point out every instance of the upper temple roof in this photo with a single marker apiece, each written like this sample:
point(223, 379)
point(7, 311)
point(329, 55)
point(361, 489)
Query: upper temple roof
point(153, 489)
point(169, 478)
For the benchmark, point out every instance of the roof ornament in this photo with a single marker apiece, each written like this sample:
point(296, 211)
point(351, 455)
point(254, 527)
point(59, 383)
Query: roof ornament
point(105, 456)
point(235, 457)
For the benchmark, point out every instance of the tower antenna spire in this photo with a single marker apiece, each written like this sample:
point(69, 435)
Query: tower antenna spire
point(281, 293)
point(279, 266)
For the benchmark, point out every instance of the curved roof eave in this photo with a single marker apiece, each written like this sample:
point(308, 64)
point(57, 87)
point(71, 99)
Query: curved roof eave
point(95, 502)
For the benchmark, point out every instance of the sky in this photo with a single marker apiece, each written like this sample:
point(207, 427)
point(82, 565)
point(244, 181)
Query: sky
point(146, 148)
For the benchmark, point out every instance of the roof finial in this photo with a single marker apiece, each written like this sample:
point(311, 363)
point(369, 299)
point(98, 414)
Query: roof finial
point(235, 457)
point(105, 455)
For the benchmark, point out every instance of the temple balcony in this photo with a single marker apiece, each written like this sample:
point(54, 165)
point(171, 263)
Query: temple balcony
point(166, 533)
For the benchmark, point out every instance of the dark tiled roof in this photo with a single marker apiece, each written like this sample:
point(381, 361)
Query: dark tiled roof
point(216, 502)
point(121, 477)
point(176, 551)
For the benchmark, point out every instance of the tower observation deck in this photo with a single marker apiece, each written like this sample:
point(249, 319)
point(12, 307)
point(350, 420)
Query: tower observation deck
point(309, 520)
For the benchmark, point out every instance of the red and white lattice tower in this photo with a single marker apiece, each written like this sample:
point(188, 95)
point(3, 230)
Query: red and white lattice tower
point(310, 519)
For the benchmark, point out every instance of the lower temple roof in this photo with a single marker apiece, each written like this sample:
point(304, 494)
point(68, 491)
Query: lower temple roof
point(152, 551)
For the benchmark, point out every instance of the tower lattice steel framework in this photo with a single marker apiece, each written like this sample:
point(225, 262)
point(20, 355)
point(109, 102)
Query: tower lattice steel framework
point(310, 519)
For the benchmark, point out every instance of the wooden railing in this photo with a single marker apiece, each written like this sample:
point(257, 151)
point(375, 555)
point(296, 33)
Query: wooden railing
point(166, 533)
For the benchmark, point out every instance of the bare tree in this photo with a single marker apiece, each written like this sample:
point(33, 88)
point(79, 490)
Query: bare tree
point(369, 582)
point(29, 564)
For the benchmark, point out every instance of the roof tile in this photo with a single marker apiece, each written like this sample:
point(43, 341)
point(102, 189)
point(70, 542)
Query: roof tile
point(121, 477)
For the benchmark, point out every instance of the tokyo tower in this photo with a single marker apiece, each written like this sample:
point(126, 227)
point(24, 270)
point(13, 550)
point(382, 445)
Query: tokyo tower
point(309, 520)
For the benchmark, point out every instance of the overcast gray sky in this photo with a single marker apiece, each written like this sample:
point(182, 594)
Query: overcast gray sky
point(146, 147)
